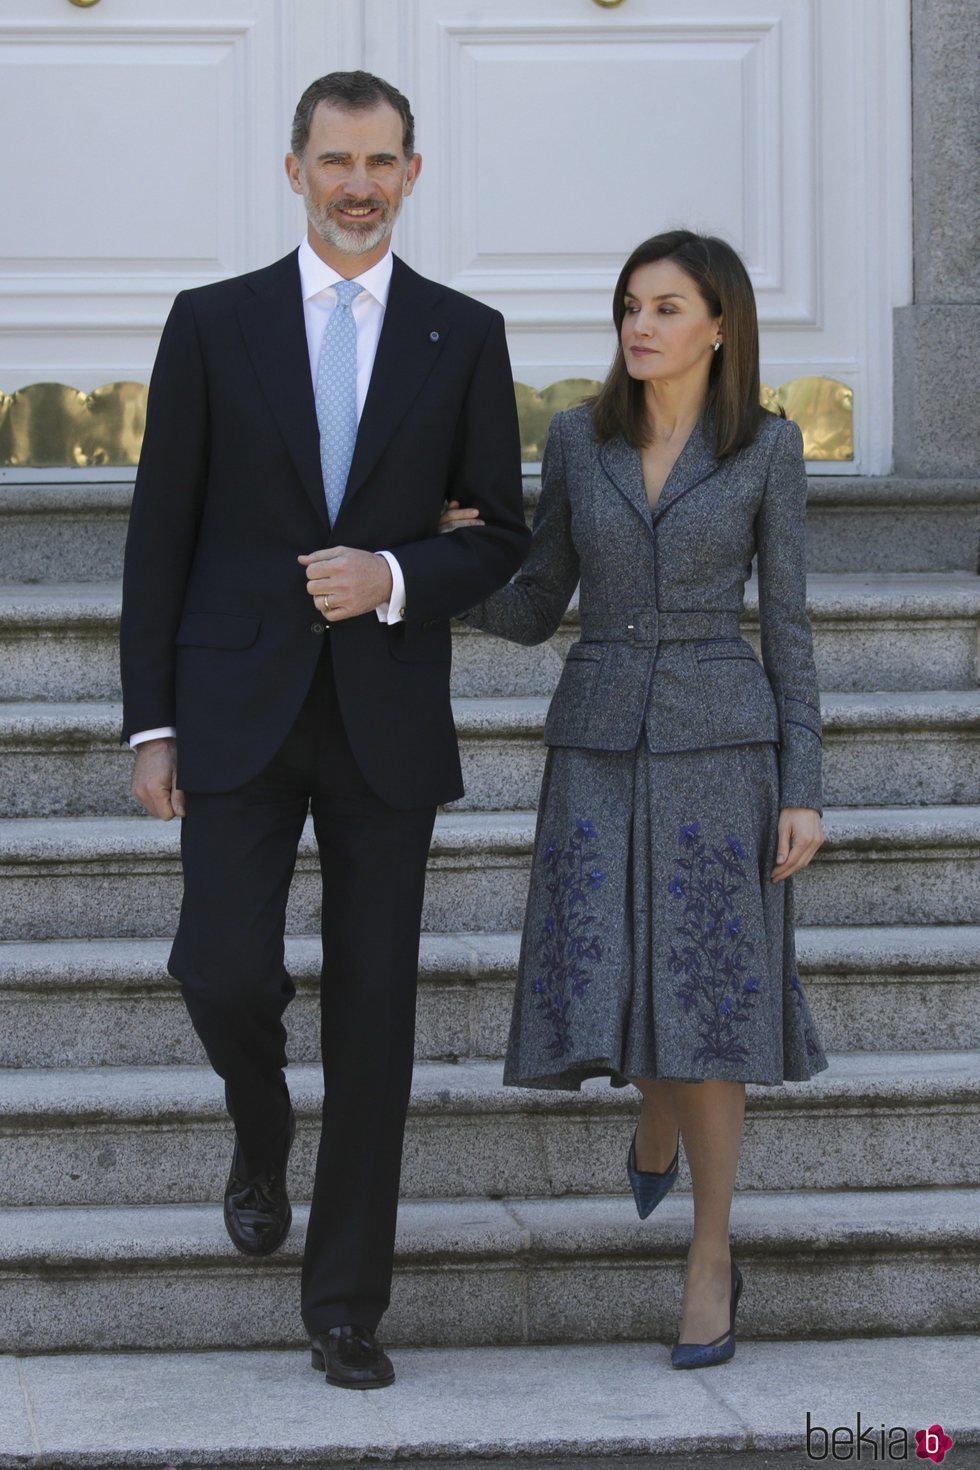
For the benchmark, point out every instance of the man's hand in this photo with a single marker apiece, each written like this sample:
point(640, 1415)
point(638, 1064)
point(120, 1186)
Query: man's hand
point(800, 836)
point(345, 583)
point(155, 779)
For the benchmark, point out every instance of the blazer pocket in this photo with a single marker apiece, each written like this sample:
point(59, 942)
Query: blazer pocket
point(217, 630)
point(569, 714)
point(738, 697)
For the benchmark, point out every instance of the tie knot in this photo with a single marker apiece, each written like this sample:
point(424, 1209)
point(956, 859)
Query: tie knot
point(346, 291)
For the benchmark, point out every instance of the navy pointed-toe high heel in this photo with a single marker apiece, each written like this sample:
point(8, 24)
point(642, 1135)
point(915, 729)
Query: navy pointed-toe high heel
point(707, 1354)
point(648, 1187)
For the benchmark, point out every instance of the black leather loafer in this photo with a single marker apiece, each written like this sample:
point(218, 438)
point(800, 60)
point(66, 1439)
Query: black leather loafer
point(352, 1357)
point(257, 1210)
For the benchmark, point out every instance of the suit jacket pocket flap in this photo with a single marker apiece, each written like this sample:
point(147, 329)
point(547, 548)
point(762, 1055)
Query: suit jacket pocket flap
point(426, 643)
point(217, 630)
point(739, 699)
point(717, 649)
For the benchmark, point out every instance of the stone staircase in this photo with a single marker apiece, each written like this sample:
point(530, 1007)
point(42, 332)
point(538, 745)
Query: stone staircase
point(859, 1193)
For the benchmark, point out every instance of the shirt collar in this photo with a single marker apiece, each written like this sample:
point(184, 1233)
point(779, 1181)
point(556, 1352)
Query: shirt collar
point(315, 275)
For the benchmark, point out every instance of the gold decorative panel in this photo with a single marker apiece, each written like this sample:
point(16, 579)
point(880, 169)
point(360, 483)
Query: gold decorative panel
point(51, 425)
point(823, 408)
point(48, 425)
point(536, 407)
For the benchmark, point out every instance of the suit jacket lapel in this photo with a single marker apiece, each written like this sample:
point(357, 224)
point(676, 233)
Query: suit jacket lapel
point(623, 468)
point(694, 464)
point(275, 335)
point(412, 337)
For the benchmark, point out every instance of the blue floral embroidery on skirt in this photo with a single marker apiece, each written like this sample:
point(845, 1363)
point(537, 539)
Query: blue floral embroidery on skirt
point(714, 955)
point(570, 943)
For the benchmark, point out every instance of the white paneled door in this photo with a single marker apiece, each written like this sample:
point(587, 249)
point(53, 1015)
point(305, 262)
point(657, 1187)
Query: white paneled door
point(141, 155)
point(557, 134)
point(144, 145)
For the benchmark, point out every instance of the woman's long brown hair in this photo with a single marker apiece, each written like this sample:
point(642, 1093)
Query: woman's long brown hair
point(732, 405)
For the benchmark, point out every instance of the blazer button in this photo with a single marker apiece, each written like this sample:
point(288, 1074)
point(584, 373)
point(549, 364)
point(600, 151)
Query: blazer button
point(317, 627)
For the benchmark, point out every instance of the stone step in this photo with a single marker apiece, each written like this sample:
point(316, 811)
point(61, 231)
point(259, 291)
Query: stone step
point(886, 631)
point(76, 528)
point(874, 1121)
point(894, 748)
point(851, 1263)
point(119, 878)
point(97, 1002)
point(883, 523)
point(894, 631)
point(889, 524)
point(900, 749)
point(854, 523)
point(612, 1404)
point(482, 1407)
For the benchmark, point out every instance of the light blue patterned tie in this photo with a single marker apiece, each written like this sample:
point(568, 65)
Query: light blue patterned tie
point(336, 396)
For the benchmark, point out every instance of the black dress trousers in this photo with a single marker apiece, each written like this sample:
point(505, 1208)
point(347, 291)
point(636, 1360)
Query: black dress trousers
point(239, 851)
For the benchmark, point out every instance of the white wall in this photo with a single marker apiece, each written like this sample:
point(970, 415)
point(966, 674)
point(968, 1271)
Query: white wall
point(145, 139)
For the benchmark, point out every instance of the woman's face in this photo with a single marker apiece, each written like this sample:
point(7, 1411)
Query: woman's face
point(667, 332)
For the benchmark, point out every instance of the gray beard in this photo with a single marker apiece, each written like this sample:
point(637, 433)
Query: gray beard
point(349, 241)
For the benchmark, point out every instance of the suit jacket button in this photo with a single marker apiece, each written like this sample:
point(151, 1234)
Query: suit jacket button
point(316, 627)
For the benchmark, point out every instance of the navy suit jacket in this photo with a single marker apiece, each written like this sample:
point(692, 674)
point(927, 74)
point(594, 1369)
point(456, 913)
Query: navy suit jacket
point(219, 635)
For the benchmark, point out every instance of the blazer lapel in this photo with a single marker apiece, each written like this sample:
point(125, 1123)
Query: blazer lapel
point(412, 337)
point(275, 335)
point(694, 464)
point(623, 468)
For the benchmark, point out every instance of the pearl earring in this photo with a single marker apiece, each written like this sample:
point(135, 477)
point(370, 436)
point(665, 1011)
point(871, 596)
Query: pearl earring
point(717, 344)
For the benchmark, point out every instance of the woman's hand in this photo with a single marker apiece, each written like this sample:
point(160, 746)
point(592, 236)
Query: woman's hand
point(800, 838)
point(456, 516)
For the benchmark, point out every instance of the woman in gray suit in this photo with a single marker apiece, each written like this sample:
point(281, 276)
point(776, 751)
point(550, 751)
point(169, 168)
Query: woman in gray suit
point(682, 784)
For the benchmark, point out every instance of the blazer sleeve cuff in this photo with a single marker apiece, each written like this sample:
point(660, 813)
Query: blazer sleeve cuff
point(800, 781)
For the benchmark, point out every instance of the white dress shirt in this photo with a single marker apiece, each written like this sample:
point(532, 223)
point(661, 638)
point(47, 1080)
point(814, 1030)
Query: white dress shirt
point(318, 282)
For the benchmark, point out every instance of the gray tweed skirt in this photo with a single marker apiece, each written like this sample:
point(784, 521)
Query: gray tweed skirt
point(655, 944)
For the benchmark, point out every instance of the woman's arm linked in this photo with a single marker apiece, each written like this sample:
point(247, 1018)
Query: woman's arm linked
point(530, 608)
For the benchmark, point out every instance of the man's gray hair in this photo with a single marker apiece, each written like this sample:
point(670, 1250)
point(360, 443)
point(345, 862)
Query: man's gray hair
point(356, 91)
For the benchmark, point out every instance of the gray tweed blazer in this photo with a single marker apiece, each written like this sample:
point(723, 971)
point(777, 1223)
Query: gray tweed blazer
point(661, 595)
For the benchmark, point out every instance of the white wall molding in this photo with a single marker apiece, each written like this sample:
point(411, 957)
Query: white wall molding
point(555, 135)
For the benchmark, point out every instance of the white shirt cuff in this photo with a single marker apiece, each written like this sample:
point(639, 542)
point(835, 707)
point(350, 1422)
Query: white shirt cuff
point(393, 611)
point(165, 732)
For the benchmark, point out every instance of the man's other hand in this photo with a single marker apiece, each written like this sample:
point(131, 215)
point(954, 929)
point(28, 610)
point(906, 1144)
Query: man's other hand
point(155, 779)
point(345, 583)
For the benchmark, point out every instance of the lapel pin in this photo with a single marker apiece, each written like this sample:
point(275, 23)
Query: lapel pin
point(433, 336)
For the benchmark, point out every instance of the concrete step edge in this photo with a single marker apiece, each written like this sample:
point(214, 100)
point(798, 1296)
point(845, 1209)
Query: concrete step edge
point(493, 717)
point(848, 596)
point(139, 964)
point(98, 498)
point(96, 1238)
point(35, 1099)
point(66, 840)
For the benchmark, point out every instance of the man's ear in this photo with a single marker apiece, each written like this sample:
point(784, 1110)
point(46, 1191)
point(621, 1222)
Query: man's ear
point(294, 172)
point(414, 169)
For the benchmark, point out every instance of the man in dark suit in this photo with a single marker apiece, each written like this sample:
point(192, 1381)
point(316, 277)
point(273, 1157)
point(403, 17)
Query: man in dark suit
point(286, 645)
